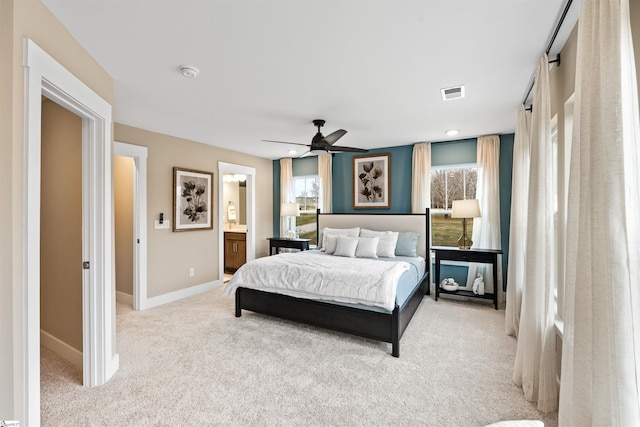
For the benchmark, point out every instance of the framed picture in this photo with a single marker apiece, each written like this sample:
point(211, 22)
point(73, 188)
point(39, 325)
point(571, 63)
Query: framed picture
point(371, 181)
point(192, 200)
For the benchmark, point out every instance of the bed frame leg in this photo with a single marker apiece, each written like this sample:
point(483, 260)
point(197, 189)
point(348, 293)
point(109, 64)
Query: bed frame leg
point(238, 308)
point(395, 349)
point(395, 332)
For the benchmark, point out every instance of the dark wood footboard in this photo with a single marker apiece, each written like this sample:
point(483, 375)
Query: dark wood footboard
point(386, 327)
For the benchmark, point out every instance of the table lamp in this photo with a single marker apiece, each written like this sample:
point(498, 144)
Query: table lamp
point(290, 210)
point(465, 209)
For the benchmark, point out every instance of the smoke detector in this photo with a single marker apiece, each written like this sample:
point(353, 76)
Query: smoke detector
point(189, 71)
point(455, 92)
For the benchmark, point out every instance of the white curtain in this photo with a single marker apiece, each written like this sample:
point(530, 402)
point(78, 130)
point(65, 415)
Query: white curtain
point(535, 367)
point(287, 192)
point(325, 172)
point(601, 341)
point(518, 225)
point(421, 179)
point(486, 229)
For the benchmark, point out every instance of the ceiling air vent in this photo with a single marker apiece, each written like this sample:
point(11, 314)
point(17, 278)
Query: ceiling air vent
point(449, 93)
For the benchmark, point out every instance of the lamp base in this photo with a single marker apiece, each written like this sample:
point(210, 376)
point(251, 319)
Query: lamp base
point(290, 234)
point(464, 242)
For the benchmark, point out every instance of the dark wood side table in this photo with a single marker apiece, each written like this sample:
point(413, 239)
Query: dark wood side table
point(282, 242)
point(488, 256)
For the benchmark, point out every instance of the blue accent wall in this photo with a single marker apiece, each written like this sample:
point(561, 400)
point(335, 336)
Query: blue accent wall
point(458, 273)
point(505, 175)
point(442, 154)
point(400, 168)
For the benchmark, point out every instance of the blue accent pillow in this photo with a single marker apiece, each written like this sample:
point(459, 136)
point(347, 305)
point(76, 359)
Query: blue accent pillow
point(407, 244)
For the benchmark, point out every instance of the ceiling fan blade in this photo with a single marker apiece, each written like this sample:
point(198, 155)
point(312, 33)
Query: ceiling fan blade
point(305, 154)
point(284, 142)
point(334, 136)
point(348, 149)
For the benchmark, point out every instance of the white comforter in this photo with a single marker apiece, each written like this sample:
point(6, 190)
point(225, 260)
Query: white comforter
point(320, 276)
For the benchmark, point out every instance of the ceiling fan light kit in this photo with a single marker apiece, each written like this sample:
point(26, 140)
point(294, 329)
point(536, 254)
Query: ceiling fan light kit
point(321, 144)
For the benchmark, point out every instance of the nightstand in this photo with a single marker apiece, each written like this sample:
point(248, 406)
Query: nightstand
point(282, 242)
point(489, 256)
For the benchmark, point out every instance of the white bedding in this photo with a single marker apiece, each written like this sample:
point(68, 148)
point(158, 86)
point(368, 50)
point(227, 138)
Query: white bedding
point(319, 276)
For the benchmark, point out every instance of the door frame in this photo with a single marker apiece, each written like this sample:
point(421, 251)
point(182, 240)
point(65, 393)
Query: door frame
point(251, 213)
point(44, 76)
point(139, 155)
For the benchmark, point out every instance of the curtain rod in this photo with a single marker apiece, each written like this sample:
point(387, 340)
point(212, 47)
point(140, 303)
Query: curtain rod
point(553, 39)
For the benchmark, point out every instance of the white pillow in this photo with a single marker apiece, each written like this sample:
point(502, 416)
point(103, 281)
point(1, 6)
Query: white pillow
point(387, 243)
point(367, 247)
point(331, 242)
point(346, 246)
point(350, 232)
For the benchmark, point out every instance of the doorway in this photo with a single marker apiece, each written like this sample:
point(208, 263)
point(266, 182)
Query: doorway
point(61, 238)
point(234, 200)
point(46, 77)
point(236, 212)
point(123, 171)
point(130, 178)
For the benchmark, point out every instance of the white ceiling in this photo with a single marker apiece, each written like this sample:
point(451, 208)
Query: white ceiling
point(268, 68)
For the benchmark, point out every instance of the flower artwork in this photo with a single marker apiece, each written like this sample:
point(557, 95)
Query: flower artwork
point(371, 181)
point(372, 191)
point(192, 200)
point(192, 194)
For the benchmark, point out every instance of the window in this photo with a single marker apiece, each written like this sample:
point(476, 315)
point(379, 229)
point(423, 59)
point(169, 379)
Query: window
point(307, 192)
point(449, 183)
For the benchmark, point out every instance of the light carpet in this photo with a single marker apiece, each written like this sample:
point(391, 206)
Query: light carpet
point(193, 363)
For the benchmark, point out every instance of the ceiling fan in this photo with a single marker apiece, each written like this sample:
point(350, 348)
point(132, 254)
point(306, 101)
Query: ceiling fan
point(323, 144)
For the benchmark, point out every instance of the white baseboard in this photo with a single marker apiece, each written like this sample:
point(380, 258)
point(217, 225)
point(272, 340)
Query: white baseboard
point(178, 295)
point(123, 298)
point(62, 349)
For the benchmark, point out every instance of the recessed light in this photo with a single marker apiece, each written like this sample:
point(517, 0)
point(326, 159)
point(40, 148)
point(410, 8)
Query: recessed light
point(189, 71)
point(292, 152)
point(452, 132)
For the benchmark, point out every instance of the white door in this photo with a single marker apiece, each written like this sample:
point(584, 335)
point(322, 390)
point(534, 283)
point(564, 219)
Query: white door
point(46, 77)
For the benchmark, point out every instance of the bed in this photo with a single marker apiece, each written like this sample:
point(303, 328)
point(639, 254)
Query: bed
point(385, 321)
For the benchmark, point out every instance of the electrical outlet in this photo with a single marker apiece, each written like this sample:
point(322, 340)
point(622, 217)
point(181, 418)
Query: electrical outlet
point(192, 272)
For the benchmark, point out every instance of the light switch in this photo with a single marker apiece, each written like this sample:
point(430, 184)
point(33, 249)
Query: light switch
point(166, 224)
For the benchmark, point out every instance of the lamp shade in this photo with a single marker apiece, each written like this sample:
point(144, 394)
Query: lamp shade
point(290, 209)
point(465, 209)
